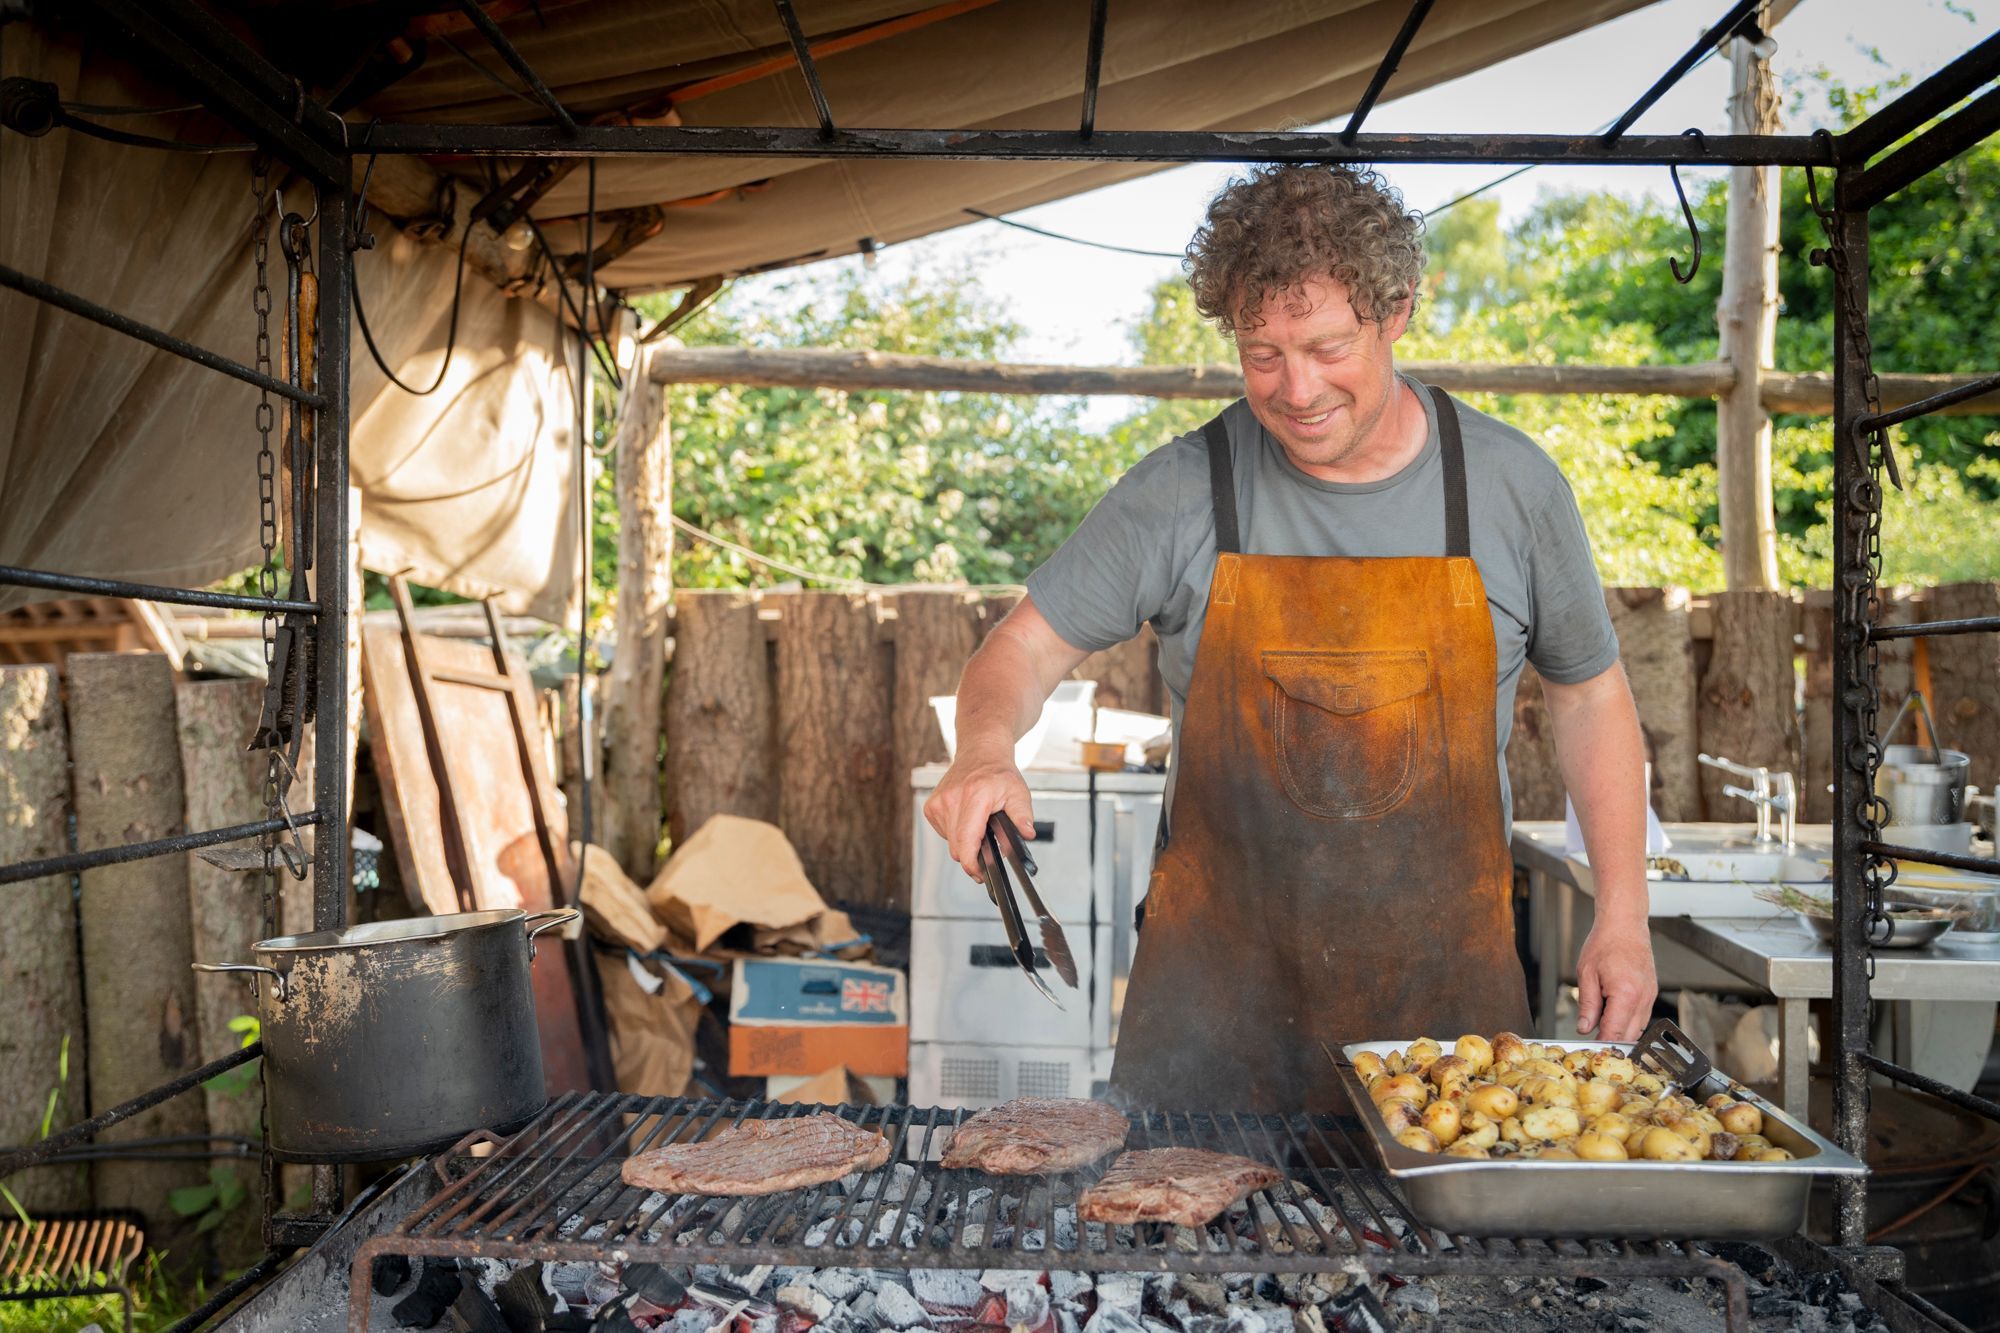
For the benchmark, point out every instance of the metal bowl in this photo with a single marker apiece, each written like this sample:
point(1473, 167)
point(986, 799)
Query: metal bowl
point(1907, 935)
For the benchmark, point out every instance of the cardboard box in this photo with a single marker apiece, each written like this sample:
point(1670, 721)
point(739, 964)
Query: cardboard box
point(799, 1016)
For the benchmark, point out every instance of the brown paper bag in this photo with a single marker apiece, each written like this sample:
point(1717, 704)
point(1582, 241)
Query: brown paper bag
point(615, 907)
point(833, 1088)
point(733, 871)
point(653, 1013)
point(830, 928)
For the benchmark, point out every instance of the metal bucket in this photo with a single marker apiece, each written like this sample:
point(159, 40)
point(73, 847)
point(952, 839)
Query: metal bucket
point(1924, 785)
point(398, 1037)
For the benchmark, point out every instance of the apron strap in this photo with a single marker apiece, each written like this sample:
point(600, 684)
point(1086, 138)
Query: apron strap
point(1457, 513)
point(1222, 487)
point(1457, 517)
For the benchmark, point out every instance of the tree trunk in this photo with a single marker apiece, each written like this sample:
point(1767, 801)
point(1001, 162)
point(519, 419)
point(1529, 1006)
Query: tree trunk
point(1127, 676)
point(1747, 320)
point(1747, 695)
point(935, 633)
point(645, 585)
point(834, 743)
point(1816, 718)
point(136, 940)
point(40, 976)
point(721, 740)
point(1532, 772)
point(1657, 647)
point(224, 784)
point(1964, 669)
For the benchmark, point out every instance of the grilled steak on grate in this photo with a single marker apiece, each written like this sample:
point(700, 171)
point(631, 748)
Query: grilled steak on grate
point(1032, 1136)
point(1188, 1186)
point(759, 1157)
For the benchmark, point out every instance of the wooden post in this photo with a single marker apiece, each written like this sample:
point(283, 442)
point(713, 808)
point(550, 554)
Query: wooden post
point(834, 743)
point(721, 747)
point(1747, 319)
point(1747, 694)
point(935, 633)
point(645, 585)
point(224, 784)
point(1964, 668)
point(1656, 644)
point(126, 774)
point(39, 972)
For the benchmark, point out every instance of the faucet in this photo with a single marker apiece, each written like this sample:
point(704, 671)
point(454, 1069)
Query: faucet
point(1771, 792)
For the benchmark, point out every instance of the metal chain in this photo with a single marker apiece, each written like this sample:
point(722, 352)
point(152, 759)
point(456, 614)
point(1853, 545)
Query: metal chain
point(1861, 591)
point(267, 514)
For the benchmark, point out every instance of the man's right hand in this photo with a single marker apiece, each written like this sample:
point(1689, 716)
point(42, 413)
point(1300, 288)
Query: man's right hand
point(972, 789)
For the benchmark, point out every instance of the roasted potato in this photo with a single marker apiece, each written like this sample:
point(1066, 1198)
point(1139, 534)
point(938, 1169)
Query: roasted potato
point(1476, 1051)
point(1724, 1147)
point(1595, 1147)
point(1741, 1118)
point(1493, 1099)
point(1598, 1097)
point(1549, 1123)
point(1421, 1052)
point(1420, 1139)
point(1443, 1120)
point(1481, 1130)
point(1465, 1148)
point(1549, 1092)
point(1407, 1086)
point(1508, 1048)
point(1615, 1126)
point(1612, 1066)
point(1399, 1114)
point(1773, 1155)
point(1368, 1065)
point(1663, 1145)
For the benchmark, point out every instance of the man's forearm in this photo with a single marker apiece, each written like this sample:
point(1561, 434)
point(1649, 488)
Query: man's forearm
point(1602, 754)
point(1007, 680)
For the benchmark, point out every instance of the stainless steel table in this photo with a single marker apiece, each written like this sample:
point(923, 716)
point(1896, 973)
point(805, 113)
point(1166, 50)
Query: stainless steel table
point(1794, 965)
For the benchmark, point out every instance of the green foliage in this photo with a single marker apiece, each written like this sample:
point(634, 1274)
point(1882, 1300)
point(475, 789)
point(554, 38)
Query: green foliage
point(158, 1303)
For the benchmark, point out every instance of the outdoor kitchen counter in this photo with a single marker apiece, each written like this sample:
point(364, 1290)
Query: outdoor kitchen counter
point(1781, 956)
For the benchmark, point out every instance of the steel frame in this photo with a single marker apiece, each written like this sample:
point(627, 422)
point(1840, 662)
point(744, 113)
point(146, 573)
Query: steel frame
point(181, 39)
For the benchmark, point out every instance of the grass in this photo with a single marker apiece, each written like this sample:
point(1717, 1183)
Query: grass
point(158, 1302)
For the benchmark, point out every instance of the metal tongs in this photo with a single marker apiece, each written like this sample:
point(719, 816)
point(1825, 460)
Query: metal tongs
point(1001, 833)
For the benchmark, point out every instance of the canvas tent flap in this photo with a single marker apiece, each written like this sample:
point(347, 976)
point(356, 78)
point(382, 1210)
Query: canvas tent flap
point(120, 461)
point(1172, 64)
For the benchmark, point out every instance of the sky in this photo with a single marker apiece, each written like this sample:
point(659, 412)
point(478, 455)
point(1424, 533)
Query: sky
point(1077, 304)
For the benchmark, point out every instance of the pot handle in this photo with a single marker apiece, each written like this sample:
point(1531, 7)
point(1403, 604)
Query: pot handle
point(277, 977)
point(550, 920)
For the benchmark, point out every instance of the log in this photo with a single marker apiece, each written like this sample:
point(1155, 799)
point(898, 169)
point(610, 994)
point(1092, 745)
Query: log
point(1747, 322)
point(1127, 676)
point(645, 586)
point(126, 771)
point(1965, 669)
point(935, 633)
point(1747, 693)
point(836, 369)
point(223, 783)
point(721, 737)
point(1816, 721)
point(40, 974)
point(1532, 771)
point(834, 744)
point(1656, 644)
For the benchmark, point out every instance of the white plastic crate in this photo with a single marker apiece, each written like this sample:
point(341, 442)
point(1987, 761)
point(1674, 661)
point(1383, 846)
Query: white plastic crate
point(966, 987)
point(954, 1075)
point(1075, 885)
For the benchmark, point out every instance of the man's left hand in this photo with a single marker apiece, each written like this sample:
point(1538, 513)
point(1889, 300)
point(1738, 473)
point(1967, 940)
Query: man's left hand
point(1615, 982)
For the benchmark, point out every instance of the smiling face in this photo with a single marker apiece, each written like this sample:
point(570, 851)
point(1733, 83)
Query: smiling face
point(1321, 379)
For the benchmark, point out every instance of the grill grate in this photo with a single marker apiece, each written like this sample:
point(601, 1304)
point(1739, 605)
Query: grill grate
point(552, 1192)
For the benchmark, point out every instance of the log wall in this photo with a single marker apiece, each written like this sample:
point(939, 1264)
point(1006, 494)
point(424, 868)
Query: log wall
point(811, 708)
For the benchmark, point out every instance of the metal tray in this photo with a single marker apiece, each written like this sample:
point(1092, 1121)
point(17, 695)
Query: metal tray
point(1709, 1200)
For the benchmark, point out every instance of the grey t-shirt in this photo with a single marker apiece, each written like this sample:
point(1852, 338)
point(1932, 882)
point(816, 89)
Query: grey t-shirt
point(1147, 550)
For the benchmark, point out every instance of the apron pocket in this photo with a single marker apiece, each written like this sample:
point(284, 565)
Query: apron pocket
point(1346, 726)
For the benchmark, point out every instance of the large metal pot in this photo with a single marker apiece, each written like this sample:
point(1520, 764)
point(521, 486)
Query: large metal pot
point(399, 1037)
point(1924, 785)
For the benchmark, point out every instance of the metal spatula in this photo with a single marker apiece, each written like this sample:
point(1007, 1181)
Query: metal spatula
point(1054, 943)
point(1670, 1055)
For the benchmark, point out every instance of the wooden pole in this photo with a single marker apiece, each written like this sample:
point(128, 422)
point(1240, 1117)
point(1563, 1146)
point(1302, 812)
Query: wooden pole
point(645, 585)
point(1747, 319)
point(835, 369)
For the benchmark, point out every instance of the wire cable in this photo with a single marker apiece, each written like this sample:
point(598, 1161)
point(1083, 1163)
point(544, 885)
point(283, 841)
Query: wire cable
point(451, 337)
point(1075, 240)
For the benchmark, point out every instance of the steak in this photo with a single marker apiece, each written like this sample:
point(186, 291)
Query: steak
point(759, 1157)
point(1037, 1136)
point(1188, 1186)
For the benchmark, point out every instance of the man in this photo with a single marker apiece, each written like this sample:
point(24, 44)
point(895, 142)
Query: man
point(1346, 572)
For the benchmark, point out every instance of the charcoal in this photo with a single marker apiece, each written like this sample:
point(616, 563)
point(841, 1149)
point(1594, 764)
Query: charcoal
point(663, 1287)
point(1415, 1297)
point(1822, 1289)
point(474, 1311)
point(390, 1272)
point(896, 1307)
point(1587, 1285)
point(1115, 1319)
point(1066, 1322)
point(1755, 1260)
point(945, 1288)
point(1205, 1293)
point(1774, 1305)
point(614, 1319)
point(1027, 1303)
point(1308, 1319)
point(805, 1299)
point(437, 1288)
point(1125, 1291)
point(838, 1284)
point(1065, 1286)
point(862, 1306)
point(528, 1306)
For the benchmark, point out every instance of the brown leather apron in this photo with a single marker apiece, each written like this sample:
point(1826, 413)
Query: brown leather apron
point(1336, 869)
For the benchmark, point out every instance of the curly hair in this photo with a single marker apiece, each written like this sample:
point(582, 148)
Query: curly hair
point(1283, 225)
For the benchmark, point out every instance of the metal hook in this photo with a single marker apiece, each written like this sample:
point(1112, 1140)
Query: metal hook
point(1694, 232)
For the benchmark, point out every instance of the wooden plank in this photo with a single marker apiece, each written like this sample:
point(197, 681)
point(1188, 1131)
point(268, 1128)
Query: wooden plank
point(1532, 771)
point(506, 861)
point(935, 632)
point(43, 1006)
point(632, 689)
point(127, 783)
point(1746, 709)
point(721, 721)
point(1658, 652)
point(1816, 719)
point(223, 783)
point(834, 744)
point(1965, 678)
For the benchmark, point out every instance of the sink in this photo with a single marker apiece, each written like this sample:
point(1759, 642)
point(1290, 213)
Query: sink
point(1724, 867)
point(1742, 862)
